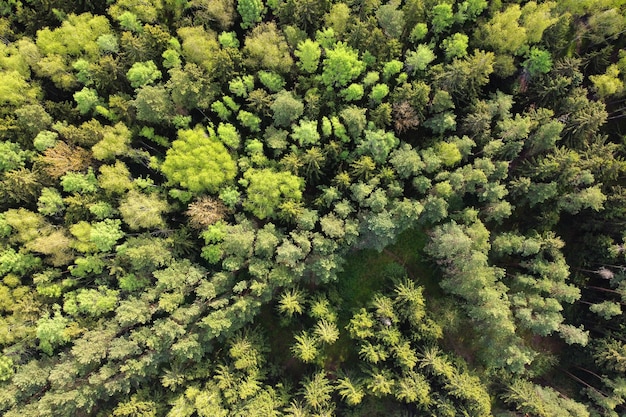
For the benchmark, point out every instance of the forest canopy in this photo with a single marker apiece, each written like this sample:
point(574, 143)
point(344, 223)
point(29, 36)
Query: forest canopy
point(312, 208)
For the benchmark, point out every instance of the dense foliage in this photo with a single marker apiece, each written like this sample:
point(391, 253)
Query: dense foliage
point(312, 208)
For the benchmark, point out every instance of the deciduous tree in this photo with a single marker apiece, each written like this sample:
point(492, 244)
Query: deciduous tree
point(198, 161)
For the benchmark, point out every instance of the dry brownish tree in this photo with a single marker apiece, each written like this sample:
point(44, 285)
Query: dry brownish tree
point(205, 211)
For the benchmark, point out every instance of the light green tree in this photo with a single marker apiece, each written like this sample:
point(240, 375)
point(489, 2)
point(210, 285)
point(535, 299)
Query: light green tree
point(50, 202)
point(267, 190)
point(11, 156)
point(608, 83)
point(306, 348)
point(143, 211)
point(292, 302)
point(419, 59)
point(142, 73)
point(86, 100)
point(305, 133)
point(455, 46)
point(105, 234)
point(266, 48)
point(317, 390)
point(115, 141)
point(351, 392)
point(341, 65)
point(198, 161)
point(442, 17)
point(274, 82)
point(503, 33)
point(51, 332)
point(309, 53)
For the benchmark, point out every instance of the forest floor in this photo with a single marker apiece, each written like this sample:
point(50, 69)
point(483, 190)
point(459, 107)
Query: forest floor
point(365, 273)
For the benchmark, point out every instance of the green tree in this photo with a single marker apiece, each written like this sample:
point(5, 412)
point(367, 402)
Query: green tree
point(441, 17)
point(309, 53)
point(143, 211)
point(267, 190)
point(142, 73)
point(351, 392)
point(317, 391)
point(286, 108)
point(536, 18)
point(52, 333)
point(305, 133)
point(251, 12)
point(391, 19)
point(75, 182)
point(305, 348)
point(538, 62)
point(86, 100)
point(503, 33)
point(455, 46)
point(15, 90)
point(115, 141)
point(608, 83)
point(378, 144)
point(272, 81)
point(153, 104)
point(11, 156)
point(220, 12)
point(466, 77)
point(419, 59)
point(341, 65)
point(379, 92)
point(115, 178)
point(326, 331)
point(199, 47)
point(291, 302)
point(265, 48)
point(542, 401)
point(352, 92)
point(249, 120)
point(198, 161)
point(50, 202)
point(105, 234)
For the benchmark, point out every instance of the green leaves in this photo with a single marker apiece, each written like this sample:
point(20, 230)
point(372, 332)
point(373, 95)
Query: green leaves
point(538, 62)
point(52, 332)
point(309, 53)
point(268, 190)
point(341, 65)
point(198, 190)
point(198, 161)
point(251, 12)
point(286, 108)
point(419, 59)
point(105, 234)
point(143, 211)
point(142, 73)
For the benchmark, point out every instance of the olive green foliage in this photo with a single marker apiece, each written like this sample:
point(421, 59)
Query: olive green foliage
point(312, 208)
point(269, 190)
